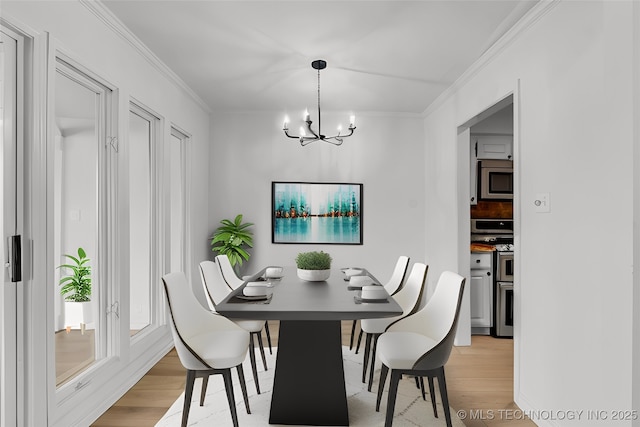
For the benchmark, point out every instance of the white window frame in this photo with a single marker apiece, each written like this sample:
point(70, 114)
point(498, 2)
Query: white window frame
point(158, 241)
point(185, 148)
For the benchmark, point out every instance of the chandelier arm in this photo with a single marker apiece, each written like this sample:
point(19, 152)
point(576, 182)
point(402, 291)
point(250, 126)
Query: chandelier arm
point(315, 135)
point(307, 140)
point(351, 129)
point(333, 140)
point(286, 132)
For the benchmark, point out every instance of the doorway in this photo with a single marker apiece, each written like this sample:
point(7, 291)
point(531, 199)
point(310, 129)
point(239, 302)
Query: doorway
point(490, 135)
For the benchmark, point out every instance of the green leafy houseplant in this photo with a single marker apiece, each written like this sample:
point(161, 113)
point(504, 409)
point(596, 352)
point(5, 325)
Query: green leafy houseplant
point(76, 287)
point(313, 260)
point(231, 239)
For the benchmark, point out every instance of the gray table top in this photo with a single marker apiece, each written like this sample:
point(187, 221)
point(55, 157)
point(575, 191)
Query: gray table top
point(295, 299)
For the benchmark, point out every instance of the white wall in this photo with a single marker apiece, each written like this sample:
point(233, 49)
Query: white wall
point(386, 154)
point(573, 140)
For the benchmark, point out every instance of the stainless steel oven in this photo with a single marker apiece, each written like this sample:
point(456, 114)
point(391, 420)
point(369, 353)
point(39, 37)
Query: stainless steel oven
point(504, 294)
point(504, 309)
point(505, 267)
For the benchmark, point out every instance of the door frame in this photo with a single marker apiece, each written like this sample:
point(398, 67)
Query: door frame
point(463, 187)
point(12, 211)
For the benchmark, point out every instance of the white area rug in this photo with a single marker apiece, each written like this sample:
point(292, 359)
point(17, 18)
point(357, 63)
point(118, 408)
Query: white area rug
point(410, 409)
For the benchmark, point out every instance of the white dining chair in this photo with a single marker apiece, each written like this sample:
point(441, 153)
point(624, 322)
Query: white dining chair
point(393, 285)
point(409, 298)
point(206, 343)
point(234, 282)
point(420, 344)
point(215, 290)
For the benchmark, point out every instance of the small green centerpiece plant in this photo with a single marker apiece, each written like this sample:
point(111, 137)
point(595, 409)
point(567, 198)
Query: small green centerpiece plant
point(313, 260)
point(314, 266)
point(76, 287)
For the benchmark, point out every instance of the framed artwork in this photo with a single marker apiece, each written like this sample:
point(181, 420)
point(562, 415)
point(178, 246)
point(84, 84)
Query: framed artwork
point(315, 212)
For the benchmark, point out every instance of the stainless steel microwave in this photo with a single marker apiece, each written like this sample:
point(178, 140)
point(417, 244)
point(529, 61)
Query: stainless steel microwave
point(496, 179)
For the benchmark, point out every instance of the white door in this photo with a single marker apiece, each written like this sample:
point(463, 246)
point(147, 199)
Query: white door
point(10, 211)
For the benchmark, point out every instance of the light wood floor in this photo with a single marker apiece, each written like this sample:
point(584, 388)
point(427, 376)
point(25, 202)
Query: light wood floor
point(479, 382)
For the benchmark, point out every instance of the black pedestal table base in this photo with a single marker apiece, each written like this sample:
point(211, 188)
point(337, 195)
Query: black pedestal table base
point(309, 386)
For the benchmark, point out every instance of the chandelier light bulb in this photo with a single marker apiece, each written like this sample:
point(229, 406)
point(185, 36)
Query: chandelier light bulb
point(352, 121)
point(286, 123)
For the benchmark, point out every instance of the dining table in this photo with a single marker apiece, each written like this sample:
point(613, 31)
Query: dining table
point(309, 385)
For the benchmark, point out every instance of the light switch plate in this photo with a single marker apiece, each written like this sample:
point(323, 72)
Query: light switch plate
point(542, 203)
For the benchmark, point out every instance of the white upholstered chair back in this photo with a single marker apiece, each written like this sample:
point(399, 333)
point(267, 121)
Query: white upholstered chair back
point(397, 277)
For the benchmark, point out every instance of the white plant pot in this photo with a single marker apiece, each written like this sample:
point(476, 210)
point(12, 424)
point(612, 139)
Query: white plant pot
point(77, 314)
point(314, 275)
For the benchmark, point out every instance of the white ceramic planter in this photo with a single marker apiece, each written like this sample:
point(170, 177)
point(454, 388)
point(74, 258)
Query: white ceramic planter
point(314, 275)
point(77, 314)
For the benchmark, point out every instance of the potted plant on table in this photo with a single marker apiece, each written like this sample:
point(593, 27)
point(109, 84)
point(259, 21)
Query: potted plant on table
point(231, 239)
point(313, 266)
point(76, 290)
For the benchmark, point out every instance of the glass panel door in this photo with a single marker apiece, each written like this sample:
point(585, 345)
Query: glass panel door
point(80, 116)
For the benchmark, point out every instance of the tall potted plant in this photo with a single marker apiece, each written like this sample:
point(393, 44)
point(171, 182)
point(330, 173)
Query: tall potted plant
point(231, 239)
point(76, 290)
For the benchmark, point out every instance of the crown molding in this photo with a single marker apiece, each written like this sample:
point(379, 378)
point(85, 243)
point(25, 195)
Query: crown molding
point(111, 21)
point(515, 32)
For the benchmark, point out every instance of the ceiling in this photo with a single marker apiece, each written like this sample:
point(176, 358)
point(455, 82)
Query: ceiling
point(382, 56)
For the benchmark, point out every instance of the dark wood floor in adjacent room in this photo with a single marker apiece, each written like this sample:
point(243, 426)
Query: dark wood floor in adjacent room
point(479, 381)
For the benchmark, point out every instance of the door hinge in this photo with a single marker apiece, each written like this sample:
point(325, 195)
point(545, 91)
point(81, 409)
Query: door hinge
point(114, 308)
point(113, 142)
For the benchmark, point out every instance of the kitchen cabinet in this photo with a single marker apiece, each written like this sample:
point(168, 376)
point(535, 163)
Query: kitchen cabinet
point(493, 146)
point(481, 292)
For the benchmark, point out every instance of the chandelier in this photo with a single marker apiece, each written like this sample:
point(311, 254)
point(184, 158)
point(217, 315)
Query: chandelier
point(307, 135)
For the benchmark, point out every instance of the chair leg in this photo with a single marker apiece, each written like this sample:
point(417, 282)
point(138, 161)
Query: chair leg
point(365, 360)
point(243, 386)
point(188, 393)
point(252, 357)
point(353, 333)
point(261, 347)
point(266, 329)
point(228, 385)
point(203, 389)
point(359, 339)
point(383, 378)
point(417, 382)
point(432, 392)
point(391, 400)
point(421, 381)
point(373, 360)
point(443, 395)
